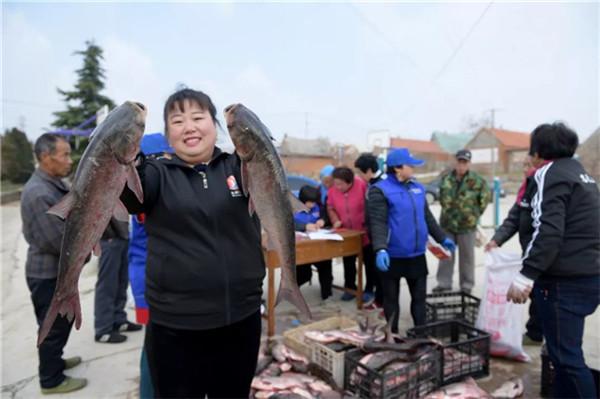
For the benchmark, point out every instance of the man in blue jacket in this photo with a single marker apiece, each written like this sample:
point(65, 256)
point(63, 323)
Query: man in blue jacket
point(400, 223)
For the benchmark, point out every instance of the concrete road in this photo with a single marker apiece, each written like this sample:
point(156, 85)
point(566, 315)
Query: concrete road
point(113, 369)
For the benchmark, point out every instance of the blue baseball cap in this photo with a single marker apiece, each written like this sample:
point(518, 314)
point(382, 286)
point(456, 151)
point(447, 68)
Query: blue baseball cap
point(154, 143)
point(327, 170)
point(401, 156)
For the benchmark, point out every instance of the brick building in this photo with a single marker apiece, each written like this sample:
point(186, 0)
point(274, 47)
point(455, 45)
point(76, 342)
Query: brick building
point(306, 156)
point(507, 148)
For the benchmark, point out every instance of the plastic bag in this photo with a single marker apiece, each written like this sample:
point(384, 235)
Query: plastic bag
point(502, 319)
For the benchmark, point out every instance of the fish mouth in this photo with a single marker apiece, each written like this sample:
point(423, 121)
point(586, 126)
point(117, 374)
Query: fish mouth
point(229, 111)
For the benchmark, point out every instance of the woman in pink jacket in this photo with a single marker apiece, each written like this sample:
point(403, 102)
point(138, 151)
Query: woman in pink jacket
point(346, 208)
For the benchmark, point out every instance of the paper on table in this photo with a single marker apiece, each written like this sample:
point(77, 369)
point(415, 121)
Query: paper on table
point(325, 235)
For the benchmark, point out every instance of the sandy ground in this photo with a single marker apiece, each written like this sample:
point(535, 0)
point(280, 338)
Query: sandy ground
point(113, 370)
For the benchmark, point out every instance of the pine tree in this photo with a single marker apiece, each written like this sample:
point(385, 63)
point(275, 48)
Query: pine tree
point(85, 99)
point(17, 156)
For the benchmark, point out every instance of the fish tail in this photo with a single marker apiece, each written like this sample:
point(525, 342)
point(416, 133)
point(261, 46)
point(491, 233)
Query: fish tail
point(68, 307)
point(48, 321)
point(293, 296)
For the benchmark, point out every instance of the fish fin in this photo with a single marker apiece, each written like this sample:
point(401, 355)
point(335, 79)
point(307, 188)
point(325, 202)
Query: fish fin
point(293, 296)
point(251, 208)
point(134, 183)
point(120, 212)
point(68, 307)
point(97, 249)
point(63, 207)
point(244, 170)
point(297, 205)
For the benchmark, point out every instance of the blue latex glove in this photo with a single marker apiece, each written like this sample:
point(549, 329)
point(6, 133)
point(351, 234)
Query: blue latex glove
point(382, 261)
point(449, 245)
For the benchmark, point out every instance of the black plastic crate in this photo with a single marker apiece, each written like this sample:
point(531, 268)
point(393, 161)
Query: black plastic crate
point(451, 306)
point(466, 349)
point(414, 380)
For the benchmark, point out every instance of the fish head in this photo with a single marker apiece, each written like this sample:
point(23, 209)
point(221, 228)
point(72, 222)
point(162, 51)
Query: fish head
point(247, 132)
point(124, 128)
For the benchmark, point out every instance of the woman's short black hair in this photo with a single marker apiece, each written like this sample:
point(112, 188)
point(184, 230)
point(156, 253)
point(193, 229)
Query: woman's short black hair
point(180, 96)
point(309, 193)
point(553, 141)
point(343, 173)
point(366, 161)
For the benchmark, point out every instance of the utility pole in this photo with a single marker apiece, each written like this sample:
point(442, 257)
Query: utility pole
point(306, 125)
point(495, 181)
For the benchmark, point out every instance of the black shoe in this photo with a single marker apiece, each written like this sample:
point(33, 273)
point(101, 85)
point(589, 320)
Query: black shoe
point(128, 326)
point(112, 338)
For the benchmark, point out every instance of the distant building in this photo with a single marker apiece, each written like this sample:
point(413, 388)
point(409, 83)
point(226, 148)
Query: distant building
point(306, 156)
point(434, 156)
point(451, 142)
point(507, 148)
point(589, 155)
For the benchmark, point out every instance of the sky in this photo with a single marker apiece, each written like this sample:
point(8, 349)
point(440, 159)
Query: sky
point(336, 70)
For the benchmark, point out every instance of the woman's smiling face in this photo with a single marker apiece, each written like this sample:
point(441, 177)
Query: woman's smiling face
point(192, 132)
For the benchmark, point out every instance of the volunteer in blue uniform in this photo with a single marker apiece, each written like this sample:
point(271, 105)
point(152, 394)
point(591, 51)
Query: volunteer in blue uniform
point(400, 222)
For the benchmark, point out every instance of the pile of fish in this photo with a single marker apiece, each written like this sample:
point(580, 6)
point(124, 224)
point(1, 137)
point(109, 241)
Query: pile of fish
point(388, 370)
point(456, 362)
point(283, 373)
point(468, 389)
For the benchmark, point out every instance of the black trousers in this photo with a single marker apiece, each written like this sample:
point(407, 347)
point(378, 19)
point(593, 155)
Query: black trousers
point(110, 297)
point(51, 363)
point(218, 363)
point(304, 275)
point(373, 284)
point(534, 324)
point(414, 270)
point(350, 272)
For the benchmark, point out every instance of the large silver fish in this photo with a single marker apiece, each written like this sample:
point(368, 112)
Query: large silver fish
point(105, 167)
point(264, 180)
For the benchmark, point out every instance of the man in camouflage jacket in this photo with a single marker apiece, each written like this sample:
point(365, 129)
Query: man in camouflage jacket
point(464, 195)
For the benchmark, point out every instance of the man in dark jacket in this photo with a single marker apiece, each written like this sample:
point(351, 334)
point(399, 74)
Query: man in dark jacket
point(43, 232)
point(367, 168)
point(562, 261)
point(110, 318)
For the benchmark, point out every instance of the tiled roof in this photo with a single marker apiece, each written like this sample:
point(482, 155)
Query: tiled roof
point(511, 139)
point(417, 146)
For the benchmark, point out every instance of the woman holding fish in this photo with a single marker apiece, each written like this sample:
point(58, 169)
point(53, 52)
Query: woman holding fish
point(205, 265)
point(400, 222)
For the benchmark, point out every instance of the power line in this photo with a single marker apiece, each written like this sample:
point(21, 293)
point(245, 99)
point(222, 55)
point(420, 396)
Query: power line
point(462, 42)
point(383, 36)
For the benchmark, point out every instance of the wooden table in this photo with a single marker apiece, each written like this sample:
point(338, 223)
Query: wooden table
point(309, 251)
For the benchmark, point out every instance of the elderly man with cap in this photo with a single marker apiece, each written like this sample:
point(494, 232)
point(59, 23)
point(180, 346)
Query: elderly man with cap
point(400, 223)
point(464, 195)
